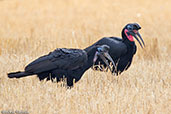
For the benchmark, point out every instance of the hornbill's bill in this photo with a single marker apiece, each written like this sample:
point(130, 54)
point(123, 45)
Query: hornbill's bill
point(62, 62)
point(121, 50)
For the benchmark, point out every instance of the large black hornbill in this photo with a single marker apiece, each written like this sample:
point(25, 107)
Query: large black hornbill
point(121, 50)
point(62, 62)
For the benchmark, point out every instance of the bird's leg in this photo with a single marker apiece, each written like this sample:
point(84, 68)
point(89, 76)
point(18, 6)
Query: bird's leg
point(69, 80)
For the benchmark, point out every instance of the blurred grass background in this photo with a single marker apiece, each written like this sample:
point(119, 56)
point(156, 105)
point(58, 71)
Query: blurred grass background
point(31, 28)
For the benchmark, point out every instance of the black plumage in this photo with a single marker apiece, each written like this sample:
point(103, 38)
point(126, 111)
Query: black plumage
point(62, 62)
point(121, 50)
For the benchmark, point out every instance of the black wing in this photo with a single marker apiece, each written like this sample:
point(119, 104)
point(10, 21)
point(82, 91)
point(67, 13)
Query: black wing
point(117, 47)
point(61, 58)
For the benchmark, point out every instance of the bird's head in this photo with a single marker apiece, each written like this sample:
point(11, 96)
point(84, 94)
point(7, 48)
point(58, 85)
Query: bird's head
point(130, 31)
point(102, 51)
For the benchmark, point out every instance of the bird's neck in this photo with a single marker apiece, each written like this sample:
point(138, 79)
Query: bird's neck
point(127, 40)
point(131, 47)
point(89, 62)
point(90, 54)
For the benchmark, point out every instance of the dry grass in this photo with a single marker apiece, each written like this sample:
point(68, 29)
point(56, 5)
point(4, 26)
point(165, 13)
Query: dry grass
point(32, 28)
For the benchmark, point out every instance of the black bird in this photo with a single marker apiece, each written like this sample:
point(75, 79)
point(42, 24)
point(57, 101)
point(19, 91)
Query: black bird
point(62, 62)
point(121, 50)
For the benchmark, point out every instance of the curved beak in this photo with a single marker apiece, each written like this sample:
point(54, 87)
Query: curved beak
point(135, 34)
point(103, 56)
point(140, 38)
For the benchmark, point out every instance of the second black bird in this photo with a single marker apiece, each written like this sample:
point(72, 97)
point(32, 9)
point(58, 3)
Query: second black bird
point(62, 62)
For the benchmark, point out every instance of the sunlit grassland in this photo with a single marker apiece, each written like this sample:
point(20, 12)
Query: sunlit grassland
point(31, 28)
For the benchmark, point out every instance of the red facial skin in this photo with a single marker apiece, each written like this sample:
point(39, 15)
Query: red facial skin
point(130, 37)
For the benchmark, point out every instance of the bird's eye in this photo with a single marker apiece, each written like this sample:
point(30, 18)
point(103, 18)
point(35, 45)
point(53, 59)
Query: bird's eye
point(129, 27)
point(99, 49)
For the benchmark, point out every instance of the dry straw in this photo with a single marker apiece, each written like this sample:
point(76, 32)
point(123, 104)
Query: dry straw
point(31, 28)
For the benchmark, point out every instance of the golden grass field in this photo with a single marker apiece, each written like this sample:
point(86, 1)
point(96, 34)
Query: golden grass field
point(31, 28)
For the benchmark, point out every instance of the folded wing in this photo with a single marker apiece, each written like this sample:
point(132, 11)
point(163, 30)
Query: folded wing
point(61, 58)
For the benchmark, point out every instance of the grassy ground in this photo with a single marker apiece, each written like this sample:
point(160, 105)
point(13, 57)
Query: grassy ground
point(31, 28)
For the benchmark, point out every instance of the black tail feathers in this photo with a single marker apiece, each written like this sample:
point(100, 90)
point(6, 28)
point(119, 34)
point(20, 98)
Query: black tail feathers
point(18, 74)
point(41, 76)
